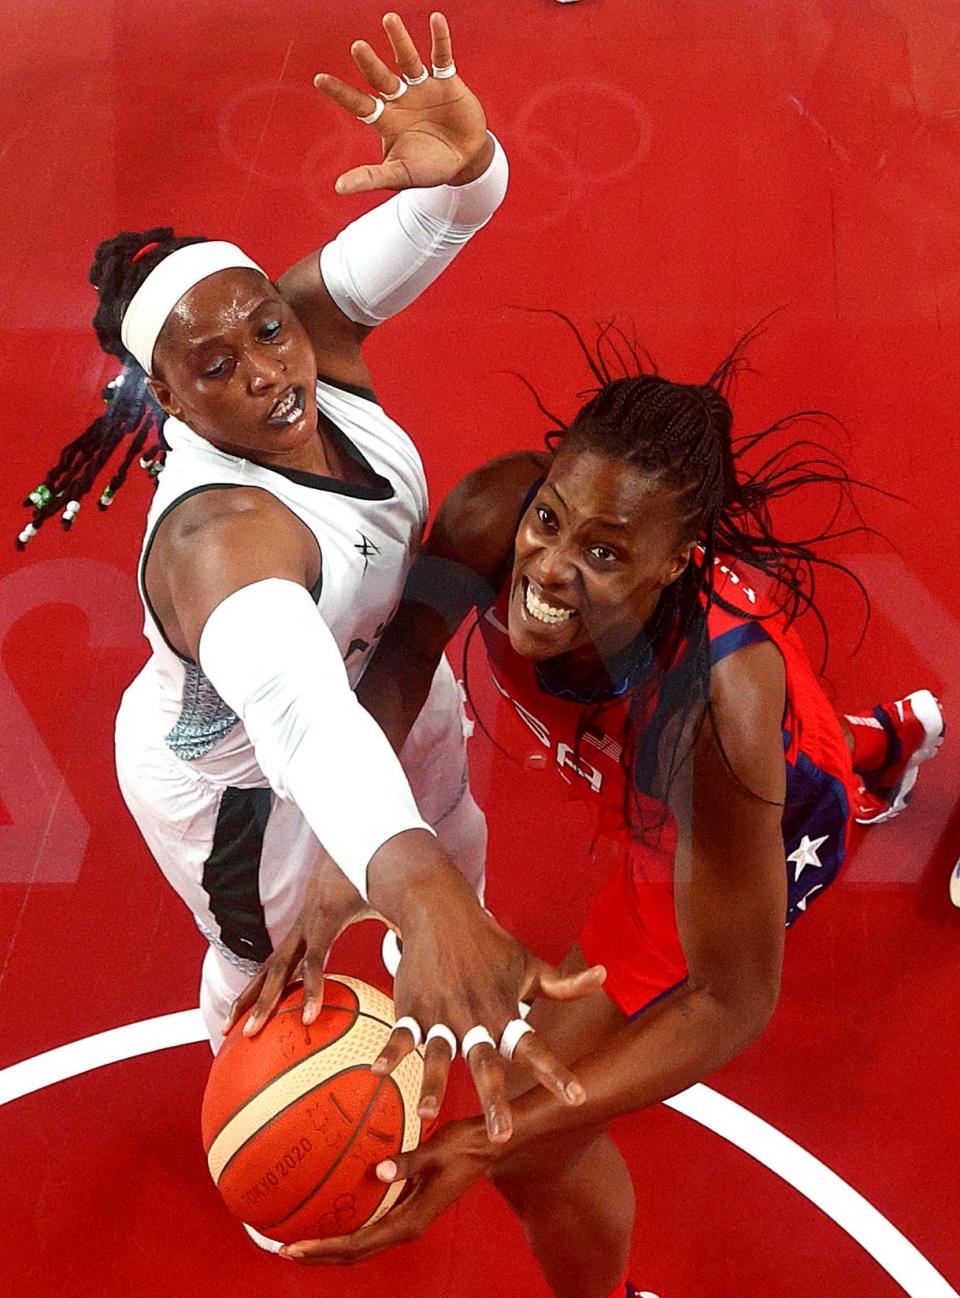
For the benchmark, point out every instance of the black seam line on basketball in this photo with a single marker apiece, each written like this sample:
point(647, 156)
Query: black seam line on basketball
point(340, 1009)
point(347, 1147)
point(339, 1108)
point(298, 1009)
point(280, 1112)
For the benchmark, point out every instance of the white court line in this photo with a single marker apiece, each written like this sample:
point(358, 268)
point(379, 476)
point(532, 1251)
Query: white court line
point(94, 1052)
point(731, 1121)
point(825, 1190)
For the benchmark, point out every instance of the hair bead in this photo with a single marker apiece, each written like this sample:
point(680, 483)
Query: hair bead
point(132, 415)
point(112, 389)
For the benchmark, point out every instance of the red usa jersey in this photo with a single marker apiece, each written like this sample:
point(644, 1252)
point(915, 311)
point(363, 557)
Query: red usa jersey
point(820, 780)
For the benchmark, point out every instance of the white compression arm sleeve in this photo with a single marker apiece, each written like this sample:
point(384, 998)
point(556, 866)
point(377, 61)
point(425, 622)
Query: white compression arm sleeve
point(386, 258)
point(272, 658)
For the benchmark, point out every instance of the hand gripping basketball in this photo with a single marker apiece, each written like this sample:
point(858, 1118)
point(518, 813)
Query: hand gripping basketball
point(436, 1175)
point(330, 904)
point(462, 971)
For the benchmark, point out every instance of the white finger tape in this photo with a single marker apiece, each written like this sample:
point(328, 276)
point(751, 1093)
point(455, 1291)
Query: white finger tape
point(474, 1037)
point(442, 73)
point(390, 952)
point(375, 115)
point(444, 1033)
point(513, 1034)
point(412, 1026)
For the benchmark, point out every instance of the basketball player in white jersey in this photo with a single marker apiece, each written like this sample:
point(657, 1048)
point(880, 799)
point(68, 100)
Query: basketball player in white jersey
point(275, 554)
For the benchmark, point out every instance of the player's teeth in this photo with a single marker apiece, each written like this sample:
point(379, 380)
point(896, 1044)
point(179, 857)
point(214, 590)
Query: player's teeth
point(543, 612)
point(283, 408)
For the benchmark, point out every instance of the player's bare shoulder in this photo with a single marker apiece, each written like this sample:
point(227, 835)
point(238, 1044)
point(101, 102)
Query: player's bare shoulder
point(212, 544)
point(477, 522)
point(209, 525)
point(205, 513)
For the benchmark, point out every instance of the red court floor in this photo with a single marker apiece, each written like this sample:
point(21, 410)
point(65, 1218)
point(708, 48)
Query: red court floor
point(688, 167)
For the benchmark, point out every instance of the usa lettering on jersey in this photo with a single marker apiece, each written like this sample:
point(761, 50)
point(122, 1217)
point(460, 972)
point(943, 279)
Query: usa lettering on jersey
point(565, 756)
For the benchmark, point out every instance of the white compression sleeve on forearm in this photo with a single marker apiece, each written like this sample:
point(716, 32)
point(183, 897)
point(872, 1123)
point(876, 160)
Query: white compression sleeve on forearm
point(384, 260)
point(272, 658)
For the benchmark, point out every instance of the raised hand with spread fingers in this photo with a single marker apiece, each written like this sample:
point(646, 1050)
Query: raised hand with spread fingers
point(431, 126)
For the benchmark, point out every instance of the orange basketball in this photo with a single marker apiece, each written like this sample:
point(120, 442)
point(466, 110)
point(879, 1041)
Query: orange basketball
point(294, 1122)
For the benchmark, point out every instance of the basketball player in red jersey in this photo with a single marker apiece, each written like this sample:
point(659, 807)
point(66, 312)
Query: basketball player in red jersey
point(636, 603)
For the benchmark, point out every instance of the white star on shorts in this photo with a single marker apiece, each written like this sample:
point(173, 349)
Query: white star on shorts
point(806, 854)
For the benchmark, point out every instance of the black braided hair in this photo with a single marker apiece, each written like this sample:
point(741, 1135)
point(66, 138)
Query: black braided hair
point(131, 409)
point(680, 435)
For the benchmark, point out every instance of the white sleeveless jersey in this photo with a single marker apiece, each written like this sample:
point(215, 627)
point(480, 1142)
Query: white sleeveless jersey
point(367, 536)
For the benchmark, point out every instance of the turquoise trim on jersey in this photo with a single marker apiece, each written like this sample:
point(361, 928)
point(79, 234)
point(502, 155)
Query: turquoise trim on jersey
point(204, 719)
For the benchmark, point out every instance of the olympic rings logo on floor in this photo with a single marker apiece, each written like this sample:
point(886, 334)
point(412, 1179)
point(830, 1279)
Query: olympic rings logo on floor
point(543, 160)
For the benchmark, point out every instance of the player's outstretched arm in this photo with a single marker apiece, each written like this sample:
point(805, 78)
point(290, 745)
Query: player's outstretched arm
point(460, 968)
point(452, 175)
point(431, 983)
point(238, 577)
point(431, 133)
point(730, 898)
point(731, 902)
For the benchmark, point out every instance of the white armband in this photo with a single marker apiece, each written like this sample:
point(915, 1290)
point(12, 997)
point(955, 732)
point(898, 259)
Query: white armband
point(272, 658)
point(384, 260)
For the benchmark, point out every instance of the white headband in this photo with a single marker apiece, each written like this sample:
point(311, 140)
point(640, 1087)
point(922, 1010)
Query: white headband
point(165, 286)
